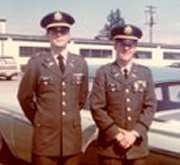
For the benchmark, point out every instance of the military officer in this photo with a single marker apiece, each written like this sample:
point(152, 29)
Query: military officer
point(123, 103)
point(52, 92)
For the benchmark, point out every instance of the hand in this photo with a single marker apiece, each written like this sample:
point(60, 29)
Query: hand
point(119, 137)
point(128, 140)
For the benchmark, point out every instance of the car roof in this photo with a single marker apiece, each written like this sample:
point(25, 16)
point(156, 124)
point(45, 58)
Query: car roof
point(6, 57)
point(160, 74)
point(165, 74)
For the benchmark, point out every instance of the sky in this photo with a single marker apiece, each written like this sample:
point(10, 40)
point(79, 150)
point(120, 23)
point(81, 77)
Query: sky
point(23, 16)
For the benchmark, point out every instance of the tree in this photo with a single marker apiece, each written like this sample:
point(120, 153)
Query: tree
point(113, 19)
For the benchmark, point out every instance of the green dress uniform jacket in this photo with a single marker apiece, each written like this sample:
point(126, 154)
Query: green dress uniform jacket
point(117, 102)
point(52, 101)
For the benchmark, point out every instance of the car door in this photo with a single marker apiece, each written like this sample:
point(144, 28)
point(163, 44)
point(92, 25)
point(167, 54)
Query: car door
point(22, 130)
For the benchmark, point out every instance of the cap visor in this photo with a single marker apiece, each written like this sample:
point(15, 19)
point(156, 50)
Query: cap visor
point(127, 42)
point(57, 25)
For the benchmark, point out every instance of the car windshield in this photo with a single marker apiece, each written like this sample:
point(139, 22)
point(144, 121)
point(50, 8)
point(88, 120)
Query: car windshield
point(6, 60)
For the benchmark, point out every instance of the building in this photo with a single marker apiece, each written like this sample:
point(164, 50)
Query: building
point(2, 26)
point(22, 47)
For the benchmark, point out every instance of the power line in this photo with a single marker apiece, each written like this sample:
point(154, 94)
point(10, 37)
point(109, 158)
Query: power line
point(150, 21)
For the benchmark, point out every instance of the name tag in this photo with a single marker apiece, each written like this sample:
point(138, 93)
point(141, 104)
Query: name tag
point(77, 78)
point(46, 80)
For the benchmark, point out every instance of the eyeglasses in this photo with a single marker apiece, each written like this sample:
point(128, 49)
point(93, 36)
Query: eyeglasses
point(61, 30)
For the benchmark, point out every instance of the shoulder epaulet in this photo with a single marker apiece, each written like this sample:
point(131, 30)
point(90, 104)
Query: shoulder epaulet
point(104, 66)
point(142, 66)
point(39, 55)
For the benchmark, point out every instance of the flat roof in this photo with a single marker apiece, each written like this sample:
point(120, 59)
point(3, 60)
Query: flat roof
point(42, 38)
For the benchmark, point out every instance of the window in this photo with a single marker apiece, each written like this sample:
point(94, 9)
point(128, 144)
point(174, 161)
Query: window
point(171, 55)
point(30, 51)
point(159, 94)
point(174, 93)
point(143, 55)
point(96, 53)
point(168, 96)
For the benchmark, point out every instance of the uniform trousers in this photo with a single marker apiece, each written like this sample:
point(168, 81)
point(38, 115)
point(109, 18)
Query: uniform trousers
point(112, 161)
point(50, 160)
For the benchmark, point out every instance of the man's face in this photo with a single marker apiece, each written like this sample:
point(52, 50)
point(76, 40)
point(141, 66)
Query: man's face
point(124, 52)
point(59, 37)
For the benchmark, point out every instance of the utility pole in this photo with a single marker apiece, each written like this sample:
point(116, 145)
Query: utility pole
point(150, 20)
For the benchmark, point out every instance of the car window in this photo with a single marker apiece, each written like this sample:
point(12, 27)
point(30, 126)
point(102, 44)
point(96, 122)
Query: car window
point(2, 61)
point(174, 93)
point(159, 94)
point(7, 60)
point(168, 95)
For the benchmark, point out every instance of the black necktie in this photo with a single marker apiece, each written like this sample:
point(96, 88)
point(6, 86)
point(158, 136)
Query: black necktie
point(125, 71)
point(61, 63)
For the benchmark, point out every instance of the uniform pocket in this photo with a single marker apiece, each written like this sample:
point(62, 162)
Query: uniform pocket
point(46, 84)
point(113, 87)
point(114, 91)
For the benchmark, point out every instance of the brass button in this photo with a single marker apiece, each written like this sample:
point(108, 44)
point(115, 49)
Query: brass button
point(128, 100)
point(38, 125)
point(63, 113)
point(127, 90)
point(64, 103)
point(63, 83)
point(128, 109)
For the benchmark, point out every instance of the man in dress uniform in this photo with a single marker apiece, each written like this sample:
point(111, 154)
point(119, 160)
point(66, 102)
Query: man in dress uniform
point(123, 103)
point(52, 92)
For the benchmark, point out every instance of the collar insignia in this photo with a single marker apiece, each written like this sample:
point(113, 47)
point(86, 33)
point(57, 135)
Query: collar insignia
point(49, 62)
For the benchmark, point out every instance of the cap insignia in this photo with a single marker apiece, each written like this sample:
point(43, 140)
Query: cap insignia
point(128, 30)
point(58, 16)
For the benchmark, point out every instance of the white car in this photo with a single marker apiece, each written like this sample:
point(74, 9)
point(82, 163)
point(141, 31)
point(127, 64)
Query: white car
point(8, 67)
point(164, 135)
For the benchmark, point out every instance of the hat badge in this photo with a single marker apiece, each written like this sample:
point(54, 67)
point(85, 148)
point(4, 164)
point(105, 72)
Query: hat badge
point(58, 16)
point(128, 30)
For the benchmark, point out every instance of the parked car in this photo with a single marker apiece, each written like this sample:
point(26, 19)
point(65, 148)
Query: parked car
point(175, 65)
point(164, 135)
point(8, 67)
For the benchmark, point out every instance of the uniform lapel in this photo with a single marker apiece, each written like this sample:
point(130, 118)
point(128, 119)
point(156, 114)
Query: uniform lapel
point(133, 74)
point(117, 74)
point(70, 65)
point(50, 64)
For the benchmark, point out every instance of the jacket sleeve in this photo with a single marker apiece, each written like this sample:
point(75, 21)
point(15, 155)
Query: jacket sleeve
point(84, 86)
point(26, 91)
point(98, 107)
point(149, 107)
